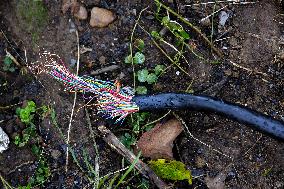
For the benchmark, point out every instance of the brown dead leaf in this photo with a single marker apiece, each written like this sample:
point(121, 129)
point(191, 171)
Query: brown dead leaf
point(158, 142)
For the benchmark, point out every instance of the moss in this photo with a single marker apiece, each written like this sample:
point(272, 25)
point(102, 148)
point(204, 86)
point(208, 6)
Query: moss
point(33, 16)
point(171, 170)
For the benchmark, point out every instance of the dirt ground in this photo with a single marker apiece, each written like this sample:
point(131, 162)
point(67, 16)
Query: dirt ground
point(219, 152)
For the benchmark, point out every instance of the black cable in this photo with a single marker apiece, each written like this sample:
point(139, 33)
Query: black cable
point(242, 114)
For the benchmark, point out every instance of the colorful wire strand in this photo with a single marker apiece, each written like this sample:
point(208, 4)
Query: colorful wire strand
point(111, 101)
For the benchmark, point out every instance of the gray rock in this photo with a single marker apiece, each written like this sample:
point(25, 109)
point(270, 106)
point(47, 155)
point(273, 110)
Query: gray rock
point(223, 17)
point(4, 140)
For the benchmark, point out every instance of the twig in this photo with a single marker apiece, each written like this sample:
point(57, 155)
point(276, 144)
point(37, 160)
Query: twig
point(152, 122)
point(143, 168)
point(97, 159)
point(10, 106)
point(13, 59)
point(191, 135)
point(234, 2)
point(196, 29)
point(105, 69)
point(131, 42)
point(160, 48)
point(213, 13)
point(74, 104)
point(247, 69)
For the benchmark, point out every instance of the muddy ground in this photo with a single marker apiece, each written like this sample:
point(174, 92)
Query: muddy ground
point(222, 153)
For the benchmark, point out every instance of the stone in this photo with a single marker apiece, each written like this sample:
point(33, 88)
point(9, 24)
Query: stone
point(102, 60)
point(82, 13)
point(101, 17)
point(4, 140)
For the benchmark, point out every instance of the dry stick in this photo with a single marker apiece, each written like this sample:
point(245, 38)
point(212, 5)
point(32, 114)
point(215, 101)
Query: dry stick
point(143, 168)
point(131, 43)
point(234, 2)
point(248, 69)
point(197, 30)
point(13, 59)
point(162, 51)
point(74, 104)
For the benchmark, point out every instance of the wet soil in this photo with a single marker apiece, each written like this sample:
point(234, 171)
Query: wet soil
point(219, 152)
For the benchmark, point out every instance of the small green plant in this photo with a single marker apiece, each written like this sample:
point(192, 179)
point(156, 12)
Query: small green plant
point(141, 90)
point(139, 57)
point(41, 174)
point(128, 140)
point(27, 134)
point(26, 116)
point(171, 170)
point(136, 121)
point(42, 171)
point(175, 28)
point(8, 64)
point(145, 184)
point(145, 76)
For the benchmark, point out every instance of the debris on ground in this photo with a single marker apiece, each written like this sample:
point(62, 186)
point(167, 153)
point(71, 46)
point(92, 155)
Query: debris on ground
point(158, 142)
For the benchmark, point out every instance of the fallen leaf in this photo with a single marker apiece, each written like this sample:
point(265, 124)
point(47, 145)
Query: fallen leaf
point(158, 142)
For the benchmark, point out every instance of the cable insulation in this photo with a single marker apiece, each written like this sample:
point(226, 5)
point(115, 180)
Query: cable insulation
point(236, 112)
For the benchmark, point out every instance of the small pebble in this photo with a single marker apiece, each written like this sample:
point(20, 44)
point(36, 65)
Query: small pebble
point(102, 60)
point(223, 17)
point(4, 140)
point(205, 22)
point(101, 17)
point(82, 13)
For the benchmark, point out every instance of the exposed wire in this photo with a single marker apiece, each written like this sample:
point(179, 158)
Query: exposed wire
point(112, 102)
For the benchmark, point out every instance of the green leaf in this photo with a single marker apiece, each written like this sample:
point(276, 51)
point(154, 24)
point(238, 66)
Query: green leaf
point(141, 90)
point(31, 106)
point(139, 58)
point(127, 140)
point(12, 69)
point(172, 170)
point(155, 34)
point(142, 75)
point(152, 78)
point(165, 20)
point(174, 26)
point(127, 59)
point(139, 43)
point(159, 69)
point(36, 150)
point(145, 184)
point(184, 34)
point(17, 140)
point(8, 61)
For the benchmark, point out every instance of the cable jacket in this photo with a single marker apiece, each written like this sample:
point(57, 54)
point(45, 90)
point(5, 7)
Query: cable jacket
point(236, 112)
